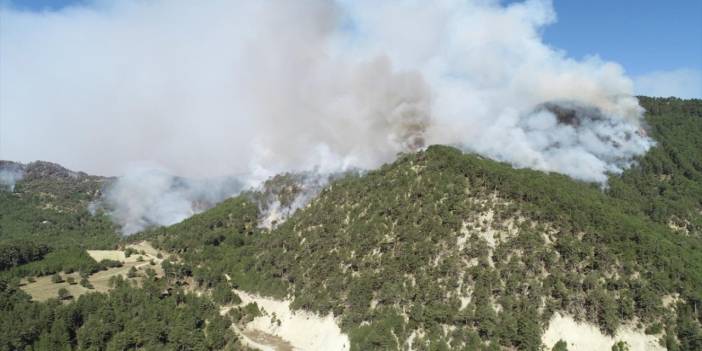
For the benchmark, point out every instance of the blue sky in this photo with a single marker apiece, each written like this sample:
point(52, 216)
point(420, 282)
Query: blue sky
point(42, 5)
point(642, 35)
point(659, 43)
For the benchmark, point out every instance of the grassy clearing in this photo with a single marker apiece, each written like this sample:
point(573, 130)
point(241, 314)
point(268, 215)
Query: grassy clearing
point(43, 288)
point(99, 255)
point(143, 248)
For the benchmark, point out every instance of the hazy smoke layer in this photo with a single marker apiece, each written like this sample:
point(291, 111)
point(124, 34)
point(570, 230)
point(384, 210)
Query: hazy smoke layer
point(258, 87)
point(148, 197)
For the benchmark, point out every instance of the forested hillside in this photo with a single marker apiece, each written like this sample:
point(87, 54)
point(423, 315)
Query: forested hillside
point(440, 250)
point(666, 185)
point(127, 318)
point(46, 215)
point(457, 251)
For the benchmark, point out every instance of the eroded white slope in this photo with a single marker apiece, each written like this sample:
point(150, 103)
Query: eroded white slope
point(583, 336)
point(304, 331)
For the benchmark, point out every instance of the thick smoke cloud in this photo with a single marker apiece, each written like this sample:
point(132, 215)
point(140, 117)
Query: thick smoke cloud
point(204, 89)
point(259, 87)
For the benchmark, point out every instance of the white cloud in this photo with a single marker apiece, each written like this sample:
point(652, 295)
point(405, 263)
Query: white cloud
point(685, 83)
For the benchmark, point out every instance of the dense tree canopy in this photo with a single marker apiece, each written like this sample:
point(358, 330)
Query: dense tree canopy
point(128, 318)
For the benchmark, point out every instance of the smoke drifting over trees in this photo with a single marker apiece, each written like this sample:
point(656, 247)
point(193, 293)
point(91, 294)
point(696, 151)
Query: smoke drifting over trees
point(215, 88)
point(10, 174)
point(148, 197)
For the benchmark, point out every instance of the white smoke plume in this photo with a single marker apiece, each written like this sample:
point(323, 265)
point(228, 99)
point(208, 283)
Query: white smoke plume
point(10, 174)
point(209, 88)
point(280, 196)
point(147, 197)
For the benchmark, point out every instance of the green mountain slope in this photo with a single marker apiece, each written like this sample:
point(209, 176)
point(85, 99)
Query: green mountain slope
point(47, 214)
point(473, 253)
point(449, 250)
point(666, 185)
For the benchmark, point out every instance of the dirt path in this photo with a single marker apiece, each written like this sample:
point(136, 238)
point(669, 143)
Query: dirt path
point(263, 341)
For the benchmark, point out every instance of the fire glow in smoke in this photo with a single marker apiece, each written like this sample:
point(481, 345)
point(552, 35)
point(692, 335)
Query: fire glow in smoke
point(250, 87)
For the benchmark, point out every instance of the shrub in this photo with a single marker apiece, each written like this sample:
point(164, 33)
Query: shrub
point(251, 311)
point(86, 284)
point(620, 346)
point(150, 273)
point(63, 294)
point(105, 264)
point(560, 346)
point(132, 273)
point(654, 328)
point(129, 251)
